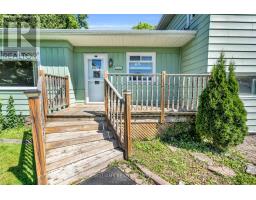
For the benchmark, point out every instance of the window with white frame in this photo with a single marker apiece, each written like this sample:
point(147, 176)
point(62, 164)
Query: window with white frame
point(141, 63)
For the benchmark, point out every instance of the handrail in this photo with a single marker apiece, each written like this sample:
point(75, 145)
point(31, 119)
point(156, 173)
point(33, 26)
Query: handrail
point(37, 114)
point(114, 89)
point(118, 115)
point(39, 104)
point(57, 92)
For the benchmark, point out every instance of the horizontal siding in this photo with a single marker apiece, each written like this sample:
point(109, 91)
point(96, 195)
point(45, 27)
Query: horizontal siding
point(166, 59)
point(194, 54)
point(235, 35)
point(20, 101)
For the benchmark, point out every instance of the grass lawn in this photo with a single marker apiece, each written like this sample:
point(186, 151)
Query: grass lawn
point(17, 164)
point(15, 133)
point(180, 165)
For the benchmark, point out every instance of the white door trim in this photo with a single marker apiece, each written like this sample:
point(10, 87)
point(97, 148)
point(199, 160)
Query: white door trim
point(86, 57)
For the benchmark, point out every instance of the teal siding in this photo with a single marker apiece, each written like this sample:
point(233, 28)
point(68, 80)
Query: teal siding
point(57, 59)
point(194, 55)
point(166, 59)
point(20, 101)
point(235, 35)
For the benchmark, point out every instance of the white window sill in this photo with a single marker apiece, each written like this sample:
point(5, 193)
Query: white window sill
point(17, 88)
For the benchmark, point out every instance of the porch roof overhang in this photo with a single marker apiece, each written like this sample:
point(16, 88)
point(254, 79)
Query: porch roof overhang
point(119, 38)
point(132, 38)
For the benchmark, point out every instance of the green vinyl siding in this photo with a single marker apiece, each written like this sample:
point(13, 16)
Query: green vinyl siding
point(57, 58)
point(194, 55)
point(166, 59)
point(20, 101)
point(235, 35)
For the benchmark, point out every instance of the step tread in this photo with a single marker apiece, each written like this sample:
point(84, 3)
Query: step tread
point(68, 158)
point(79, 140)
point(62, 152)
point(83, 168)
point(53, 137)
point(70, 123)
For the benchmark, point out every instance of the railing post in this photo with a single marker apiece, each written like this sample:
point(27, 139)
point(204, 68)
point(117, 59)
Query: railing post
point(37, 135)
point(162, 103)
point(127, 124)
point(44, 94)
point(67, 90)
point(106, 93)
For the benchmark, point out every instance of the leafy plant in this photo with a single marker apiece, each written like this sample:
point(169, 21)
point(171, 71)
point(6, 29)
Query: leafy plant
point(11, 117)
point(50, 21)
point(143, 26)
point(20, 120)
point(180, 131)
point(221, 116)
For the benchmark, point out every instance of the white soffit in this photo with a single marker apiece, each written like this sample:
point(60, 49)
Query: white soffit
point(132, 38)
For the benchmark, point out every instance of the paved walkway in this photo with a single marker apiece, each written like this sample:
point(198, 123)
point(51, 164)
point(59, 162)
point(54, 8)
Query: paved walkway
point(112, 176)
point(248, 148)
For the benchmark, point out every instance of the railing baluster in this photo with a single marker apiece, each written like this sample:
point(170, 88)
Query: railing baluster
point(121, 126)
point(183, 91)
point(169, 93)
point(188, 79)
point(147, 94)
point(127, 82)
point(141, 103)
point(152, 91)
point(116, 114)
point(197, 92)
point(178, 96)
point(122, 83)
point(192, 93)
point(132, 91)
point(137, 92)
point(157, 96)
point(173, 93)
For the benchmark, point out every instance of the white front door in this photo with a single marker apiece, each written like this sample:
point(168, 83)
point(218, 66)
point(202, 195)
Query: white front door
point(95, 66)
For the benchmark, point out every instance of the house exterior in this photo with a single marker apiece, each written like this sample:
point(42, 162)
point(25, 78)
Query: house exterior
point(235, 35)
point(182, 44)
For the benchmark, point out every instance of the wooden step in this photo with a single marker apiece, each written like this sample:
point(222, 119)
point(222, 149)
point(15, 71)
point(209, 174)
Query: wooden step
point(58, 118)
point(83, 168)
point(71, 156)
point(57, 127)
point(57, 140)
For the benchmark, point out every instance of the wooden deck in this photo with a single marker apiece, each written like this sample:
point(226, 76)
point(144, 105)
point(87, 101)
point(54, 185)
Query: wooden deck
point(93, 110)
point(80, 110)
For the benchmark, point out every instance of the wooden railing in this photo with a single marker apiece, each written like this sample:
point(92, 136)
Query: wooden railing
point(163, 93)
point(57, 92)
point(39, 108)
point(155, 92)
point(118, 114)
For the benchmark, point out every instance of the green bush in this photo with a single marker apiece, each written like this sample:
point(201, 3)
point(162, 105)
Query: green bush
point(11, 120)
point(182, 131)
point(221, 117)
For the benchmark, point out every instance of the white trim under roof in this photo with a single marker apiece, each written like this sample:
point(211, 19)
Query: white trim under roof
point(119, 38)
